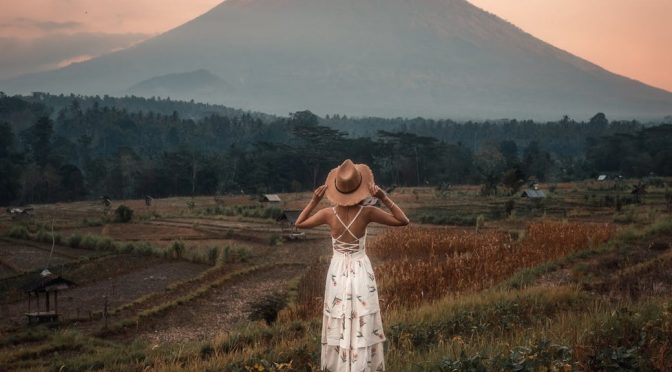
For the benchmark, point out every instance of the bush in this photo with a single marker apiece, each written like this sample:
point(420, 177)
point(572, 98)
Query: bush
point(123, 214)
point(144, 249)
point(19, 232)
point(213, 254)
point(128, 248)
point(178, 248)
point(231, 255)
point(276, 239)
point(509, 206)
point(105, 244)
point(89, 242)
point(74, 240)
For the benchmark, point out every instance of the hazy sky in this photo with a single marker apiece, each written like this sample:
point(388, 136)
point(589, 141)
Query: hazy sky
point(629, 37)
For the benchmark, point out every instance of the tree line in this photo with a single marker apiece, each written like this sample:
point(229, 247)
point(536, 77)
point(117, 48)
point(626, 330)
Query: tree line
point(79, 151)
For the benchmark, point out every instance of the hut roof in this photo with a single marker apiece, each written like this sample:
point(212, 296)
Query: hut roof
point(289, 216)
point(48, 283)
point(531, 193)
point(371, 200)
point(271, 198)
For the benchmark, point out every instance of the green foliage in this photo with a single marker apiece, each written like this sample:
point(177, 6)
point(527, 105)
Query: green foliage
point(74, 240)
point(19, 232)
point(276, 239)
point(509, 206)
point(89, 242)
point(178, 248)
point(541, 356)
point(235, 254)
point(45, 236)
point(472, 363)
point(213, 255)
point(123, 214)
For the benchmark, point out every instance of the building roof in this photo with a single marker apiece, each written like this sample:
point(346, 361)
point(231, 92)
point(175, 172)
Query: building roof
point(371, 200)
point(602, 177)
point(531, 193)
point(271, 198)
point(48, 283)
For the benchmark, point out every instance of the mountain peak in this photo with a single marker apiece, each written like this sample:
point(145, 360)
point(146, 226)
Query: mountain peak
point(437, 58)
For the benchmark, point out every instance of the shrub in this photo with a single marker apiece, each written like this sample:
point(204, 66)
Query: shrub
point(213, 254)
point(276, 239)
point(74, 240)
point(144, 249)
point(19, 232)
point(231, 255)
point(128, 248)
point(105, 244)
point(123, 214)
point(89, 242)
point(178, 248)
point(43, 236)
point(509, 206)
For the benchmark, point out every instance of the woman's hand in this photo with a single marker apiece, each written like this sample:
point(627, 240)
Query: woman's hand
point(376, 191)
point(319, 193)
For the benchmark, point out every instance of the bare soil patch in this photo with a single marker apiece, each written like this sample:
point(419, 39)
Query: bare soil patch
point(80, 301)
point(24, 257)
point(217, 312)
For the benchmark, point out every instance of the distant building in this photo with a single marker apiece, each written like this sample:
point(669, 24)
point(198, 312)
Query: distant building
point(270, 198)
point(289, 217)
point(533, 194)
point(288, 220)
point(50, 285)
point(602, 177)
point(371, 200)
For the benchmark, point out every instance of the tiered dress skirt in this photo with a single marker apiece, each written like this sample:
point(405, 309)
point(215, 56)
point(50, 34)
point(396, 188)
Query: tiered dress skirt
point(352, 327)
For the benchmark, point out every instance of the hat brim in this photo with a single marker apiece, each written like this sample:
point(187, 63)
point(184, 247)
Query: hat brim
point(351, 198)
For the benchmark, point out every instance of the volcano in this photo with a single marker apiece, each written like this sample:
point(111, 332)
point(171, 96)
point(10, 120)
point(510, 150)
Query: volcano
point(390, 58)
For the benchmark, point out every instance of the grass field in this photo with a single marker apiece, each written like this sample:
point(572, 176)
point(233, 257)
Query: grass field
point(575, 281)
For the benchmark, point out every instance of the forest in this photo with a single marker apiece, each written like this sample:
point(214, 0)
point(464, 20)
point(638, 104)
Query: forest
point(65, 148)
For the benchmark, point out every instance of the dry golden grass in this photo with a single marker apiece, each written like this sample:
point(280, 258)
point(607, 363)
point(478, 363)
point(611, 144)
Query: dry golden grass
point(417, 265)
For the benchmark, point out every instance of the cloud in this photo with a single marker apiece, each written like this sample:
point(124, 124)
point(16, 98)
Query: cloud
point(21, 56)
point(45, 26)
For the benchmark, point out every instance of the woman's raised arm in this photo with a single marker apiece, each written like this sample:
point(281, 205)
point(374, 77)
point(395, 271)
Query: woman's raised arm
point(305, 220)
point(396, 218)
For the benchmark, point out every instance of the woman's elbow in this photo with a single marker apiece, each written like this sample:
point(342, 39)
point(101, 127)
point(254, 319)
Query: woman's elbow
point(404, 222)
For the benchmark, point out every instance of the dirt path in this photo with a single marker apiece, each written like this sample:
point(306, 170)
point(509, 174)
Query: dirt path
point(218, 311)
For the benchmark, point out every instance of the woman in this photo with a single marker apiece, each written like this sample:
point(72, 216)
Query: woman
point(352, 328)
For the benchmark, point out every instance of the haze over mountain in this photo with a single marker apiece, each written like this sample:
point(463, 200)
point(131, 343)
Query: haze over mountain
point(436, 58)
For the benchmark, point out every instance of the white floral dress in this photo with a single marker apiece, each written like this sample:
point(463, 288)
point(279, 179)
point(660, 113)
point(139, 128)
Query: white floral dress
point(352, 328)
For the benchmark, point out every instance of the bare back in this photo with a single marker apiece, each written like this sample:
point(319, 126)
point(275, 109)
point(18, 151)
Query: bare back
point(356, 217)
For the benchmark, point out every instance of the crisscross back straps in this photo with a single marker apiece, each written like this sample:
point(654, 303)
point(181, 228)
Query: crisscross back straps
point(347, 227)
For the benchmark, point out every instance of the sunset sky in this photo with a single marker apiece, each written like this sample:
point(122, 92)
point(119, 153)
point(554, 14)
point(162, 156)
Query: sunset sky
point(628, 37)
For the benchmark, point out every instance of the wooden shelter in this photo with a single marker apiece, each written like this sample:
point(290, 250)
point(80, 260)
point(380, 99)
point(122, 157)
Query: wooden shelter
point(533, 194)
point(288, 218)
point(46, 284)
point(271, 198)
point(371, 201)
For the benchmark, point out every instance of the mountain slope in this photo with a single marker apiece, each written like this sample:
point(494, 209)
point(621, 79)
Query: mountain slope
point(365, 57)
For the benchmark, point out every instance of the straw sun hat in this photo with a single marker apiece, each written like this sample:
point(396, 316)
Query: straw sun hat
point(348, 184)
